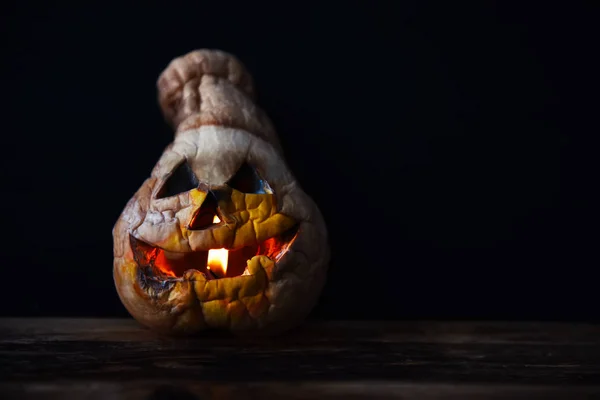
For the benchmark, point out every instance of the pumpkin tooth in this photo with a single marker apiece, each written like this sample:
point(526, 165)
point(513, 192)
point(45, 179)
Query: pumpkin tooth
point(194, 275)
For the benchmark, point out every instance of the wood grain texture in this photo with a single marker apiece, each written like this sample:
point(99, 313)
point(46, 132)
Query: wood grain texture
point(116, 358)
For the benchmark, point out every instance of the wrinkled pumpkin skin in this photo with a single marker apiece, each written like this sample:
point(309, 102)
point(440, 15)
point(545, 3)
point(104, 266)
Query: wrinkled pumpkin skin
point(207, 96)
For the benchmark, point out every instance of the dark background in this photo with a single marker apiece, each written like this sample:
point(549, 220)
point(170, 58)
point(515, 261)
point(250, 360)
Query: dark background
point(440, 140)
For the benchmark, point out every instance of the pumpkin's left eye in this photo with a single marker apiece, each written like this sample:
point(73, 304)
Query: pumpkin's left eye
point(247, 180)
point(182, 179)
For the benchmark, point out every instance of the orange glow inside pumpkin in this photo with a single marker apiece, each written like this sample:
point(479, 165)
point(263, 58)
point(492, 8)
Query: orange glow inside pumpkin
point(225, 263)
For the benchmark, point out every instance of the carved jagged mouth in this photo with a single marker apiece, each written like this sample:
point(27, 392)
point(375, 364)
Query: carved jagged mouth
point(158, 264)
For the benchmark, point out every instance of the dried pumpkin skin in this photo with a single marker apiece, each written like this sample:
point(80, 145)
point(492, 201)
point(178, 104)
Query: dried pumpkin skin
point(225, 161)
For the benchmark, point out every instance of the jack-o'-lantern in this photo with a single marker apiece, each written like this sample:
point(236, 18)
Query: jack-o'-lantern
point(221, 235)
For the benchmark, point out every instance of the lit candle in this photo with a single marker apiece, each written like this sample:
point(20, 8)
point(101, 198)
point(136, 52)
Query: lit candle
point(217, 259)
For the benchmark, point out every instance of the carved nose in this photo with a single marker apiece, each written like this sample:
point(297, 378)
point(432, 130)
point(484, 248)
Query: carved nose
point(205, 215)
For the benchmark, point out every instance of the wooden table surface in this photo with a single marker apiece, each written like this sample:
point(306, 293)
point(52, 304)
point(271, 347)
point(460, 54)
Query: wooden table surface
point(118, 359)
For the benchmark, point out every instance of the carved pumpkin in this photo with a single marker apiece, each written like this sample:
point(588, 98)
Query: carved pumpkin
point(221, 235)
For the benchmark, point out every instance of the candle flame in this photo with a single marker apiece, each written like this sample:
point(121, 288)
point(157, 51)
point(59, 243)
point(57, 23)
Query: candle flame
point(217, 258)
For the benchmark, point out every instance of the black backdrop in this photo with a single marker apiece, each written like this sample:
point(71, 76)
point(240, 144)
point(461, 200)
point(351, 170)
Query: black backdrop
point(440, 141)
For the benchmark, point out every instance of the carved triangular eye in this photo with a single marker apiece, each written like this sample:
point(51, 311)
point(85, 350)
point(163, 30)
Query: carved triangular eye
point(247, 180)
point(181, 180)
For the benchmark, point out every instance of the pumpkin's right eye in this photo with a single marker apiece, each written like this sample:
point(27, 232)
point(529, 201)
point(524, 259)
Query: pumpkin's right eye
point(247, 180)
point(182, 179)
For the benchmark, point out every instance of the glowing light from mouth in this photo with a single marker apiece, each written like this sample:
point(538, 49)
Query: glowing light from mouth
point(217, 258)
